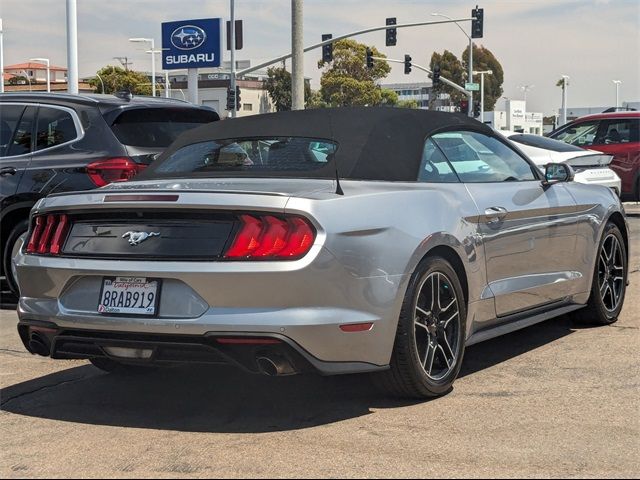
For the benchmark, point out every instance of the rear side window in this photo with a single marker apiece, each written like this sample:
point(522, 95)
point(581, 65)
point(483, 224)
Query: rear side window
point(8, 122)
point(582, 134)
point(434, 167)
point(624, 130)
point(158, 127)
point(22, 141)
point(249, 155)
point(55, 127)
point(478, 158)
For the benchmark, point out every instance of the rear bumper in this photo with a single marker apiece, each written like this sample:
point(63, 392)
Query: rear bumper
point(303, 303)
point(604, 177)
point(244, 351)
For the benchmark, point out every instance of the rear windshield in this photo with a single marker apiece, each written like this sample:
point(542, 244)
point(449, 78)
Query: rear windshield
point(248, 155)
point(544, 142)
point(158, 127)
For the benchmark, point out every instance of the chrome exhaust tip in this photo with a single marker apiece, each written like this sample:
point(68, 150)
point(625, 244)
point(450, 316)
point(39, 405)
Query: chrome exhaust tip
point(275, 366)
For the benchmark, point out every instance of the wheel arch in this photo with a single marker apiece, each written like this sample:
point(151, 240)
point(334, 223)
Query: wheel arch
point(619, 221)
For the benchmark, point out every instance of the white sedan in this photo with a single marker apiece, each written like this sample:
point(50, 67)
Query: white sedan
point(591, 167)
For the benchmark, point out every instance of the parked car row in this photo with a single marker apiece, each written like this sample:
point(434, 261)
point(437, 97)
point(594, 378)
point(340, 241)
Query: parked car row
point(612, 133)
point(53, 143)
point(335, 241)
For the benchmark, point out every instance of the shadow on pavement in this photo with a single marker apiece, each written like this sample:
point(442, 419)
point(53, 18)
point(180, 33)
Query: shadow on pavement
point(223, 399)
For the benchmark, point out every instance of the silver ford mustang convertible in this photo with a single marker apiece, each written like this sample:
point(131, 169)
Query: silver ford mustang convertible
point(333, 241)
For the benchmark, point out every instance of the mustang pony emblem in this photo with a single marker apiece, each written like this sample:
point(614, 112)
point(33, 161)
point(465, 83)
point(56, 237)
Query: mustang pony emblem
point(136, 238)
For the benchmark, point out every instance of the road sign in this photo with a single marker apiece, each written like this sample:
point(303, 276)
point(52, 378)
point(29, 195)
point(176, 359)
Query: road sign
point(191, 44)
point(472, 87)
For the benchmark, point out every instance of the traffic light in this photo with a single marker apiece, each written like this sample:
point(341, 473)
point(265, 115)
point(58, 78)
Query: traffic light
point(464, 105)
point(435, 77)
point(391, 37)
point(231, 98)
point(476, 108)
point(476, 25)
point(407, 64)
point(369, 58)
point(327, 50)
point(238, 104)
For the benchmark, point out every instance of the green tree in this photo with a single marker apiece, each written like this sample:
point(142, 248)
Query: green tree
point(450, 68)
point(278, 84)
point(483, 59)
point(18, 80)
point(117, 79)
point(346, 81)
point(408, 104)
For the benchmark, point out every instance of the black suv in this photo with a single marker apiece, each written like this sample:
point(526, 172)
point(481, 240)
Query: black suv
point(53, 143)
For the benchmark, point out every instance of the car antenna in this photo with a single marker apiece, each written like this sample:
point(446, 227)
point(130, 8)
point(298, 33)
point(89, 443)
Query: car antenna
point(338, 187)
point(339, 190)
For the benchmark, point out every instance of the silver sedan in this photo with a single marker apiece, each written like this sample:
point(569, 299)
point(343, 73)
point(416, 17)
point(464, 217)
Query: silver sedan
point(334, 241)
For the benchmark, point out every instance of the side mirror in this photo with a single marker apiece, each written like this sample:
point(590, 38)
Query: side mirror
point(556, 173)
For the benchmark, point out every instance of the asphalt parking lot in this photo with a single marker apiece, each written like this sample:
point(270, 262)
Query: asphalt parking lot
point(557, 399)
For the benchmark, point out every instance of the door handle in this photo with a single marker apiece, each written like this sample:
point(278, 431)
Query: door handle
point(6, 171)
point(495, 214)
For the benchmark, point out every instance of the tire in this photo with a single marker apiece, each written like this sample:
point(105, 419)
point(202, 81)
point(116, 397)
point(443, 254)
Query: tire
point(112, 366)
point(422, 325)
point(18, 231)
point(605, 302)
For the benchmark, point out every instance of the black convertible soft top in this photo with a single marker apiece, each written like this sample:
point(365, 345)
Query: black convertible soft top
point(374, 143)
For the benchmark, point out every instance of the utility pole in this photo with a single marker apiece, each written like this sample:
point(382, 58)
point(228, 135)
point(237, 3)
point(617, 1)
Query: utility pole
point(232, 39)
point(72, 47)
point(297, 50)
point(563, 119)
point(617, 82)
point(124, 61)
point(1, 59)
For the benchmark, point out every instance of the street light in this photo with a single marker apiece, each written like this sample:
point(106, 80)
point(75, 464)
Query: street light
point(617, 82)
point(46, 60)
point(482, 73)
point(470, 94)
point(26, 75)
point(563, 119)
point(153, 60)
point(166, 73)
point(101, 82)
point(525, 89)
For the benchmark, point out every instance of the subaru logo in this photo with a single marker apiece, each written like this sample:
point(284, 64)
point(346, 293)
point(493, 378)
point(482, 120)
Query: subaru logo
point(188, 37)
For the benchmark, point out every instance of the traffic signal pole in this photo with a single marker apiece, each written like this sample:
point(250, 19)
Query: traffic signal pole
point(348, 35)
point(424, 69)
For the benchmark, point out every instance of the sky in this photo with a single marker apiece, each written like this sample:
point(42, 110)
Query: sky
point(536, 41)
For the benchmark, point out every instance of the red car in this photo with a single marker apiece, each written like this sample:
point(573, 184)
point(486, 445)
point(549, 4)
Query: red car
point(614, 133)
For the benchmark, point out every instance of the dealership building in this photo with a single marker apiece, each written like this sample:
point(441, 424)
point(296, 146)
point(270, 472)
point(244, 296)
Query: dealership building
point(515, 118)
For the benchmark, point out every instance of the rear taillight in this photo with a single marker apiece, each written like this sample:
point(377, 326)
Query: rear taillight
point(112, 170)
point(266, 237)
point(48, 235)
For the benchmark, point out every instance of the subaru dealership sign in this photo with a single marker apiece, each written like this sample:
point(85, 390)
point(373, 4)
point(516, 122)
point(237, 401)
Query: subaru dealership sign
point(191, 44)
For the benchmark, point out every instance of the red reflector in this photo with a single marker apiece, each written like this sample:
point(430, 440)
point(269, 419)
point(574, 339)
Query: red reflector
point(111, 170)
point(357, 327)
point(43, 244)
point(273, 239)
point(35, 235)
point(248, 341)
point(60, 235)
point(247, 238)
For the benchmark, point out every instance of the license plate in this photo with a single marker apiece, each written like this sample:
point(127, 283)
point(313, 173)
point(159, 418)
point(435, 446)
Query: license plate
point(129, 295)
